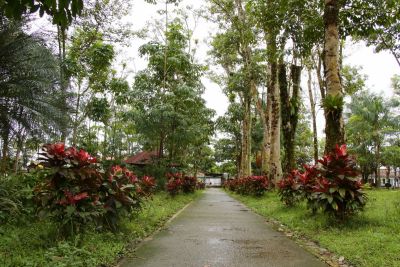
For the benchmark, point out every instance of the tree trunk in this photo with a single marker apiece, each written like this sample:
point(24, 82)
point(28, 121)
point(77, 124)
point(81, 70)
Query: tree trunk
point(333, 102)
point(289, 112)
point(313, 117)
point(275, 168)
point(245, 161)
point(76, 121)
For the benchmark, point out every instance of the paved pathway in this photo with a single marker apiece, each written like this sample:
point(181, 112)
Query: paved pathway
point(215, 231)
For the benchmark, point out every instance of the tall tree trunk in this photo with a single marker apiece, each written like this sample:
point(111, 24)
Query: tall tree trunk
point(289, 112)
point(245, 161)
point(294, 115)
point(275, 167)
point(333, 102)
point(313, 116)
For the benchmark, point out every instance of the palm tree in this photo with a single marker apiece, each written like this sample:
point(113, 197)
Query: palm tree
point(369, 120)
point(28, 87)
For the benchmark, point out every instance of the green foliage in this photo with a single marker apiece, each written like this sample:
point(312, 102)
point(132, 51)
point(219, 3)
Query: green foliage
point(62, 12)
point(352, 80)
point(168, 110)
point(378, 27)
point(332, 103)
point(370, 122)
point(29, 97)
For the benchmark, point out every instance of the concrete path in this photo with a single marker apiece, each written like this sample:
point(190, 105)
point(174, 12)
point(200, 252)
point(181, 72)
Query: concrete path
point(215, 231)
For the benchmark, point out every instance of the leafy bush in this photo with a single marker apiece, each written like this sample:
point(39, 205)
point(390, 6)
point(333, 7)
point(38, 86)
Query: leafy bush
point(69, 193)
point(200, 185)
point(289, 188)
point(251, 185)
point(332, 185)
point(338, 190)
point(188, 184)
point(75, 192)
point(174, 186)
point(177, 183)
point(120, 192)
point(147, 185)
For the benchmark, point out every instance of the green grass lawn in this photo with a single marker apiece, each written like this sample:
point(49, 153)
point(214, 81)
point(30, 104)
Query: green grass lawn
point(34, 244)
point(371, 238)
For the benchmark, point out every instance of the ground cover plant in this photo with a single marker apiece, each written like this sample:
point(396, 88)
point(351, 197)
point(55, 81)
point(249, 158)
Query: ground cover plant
point(367, 239)
point(34, 243)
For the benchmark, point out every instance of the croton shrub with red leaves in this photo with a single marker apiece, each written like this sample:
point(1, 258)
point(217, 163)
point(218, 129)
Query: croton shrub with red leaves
point(177, 183)
point(251, 185)
point(290, 189)
point(332, 185)
point(75, 192)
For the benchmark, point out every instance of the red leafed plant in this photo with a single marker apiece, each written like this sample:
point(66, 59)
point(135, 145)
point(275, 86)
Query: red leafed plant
point(338, 190)
point(120, 192)
point(332, 185)
point(75, 192)
point(290, 188)
point(174, 186)
point(70, 191)
point(147, 185)
point(251, 185)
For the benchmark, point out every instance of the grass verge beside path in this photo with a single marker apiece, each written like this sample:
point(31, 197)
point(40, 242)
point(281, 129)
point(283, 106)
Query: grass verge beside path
point(371, 238)
point(34, 244)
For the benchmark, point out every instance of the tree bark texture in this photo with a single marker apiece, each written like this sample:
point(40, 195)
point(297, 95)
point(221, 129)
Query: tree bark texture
point(245, 160)
point(334, 128)
point(275, 168)
point(313, 116)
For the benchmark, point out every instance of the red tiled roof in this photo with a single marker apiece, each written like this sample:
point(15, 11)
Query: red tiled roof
point(142, 158)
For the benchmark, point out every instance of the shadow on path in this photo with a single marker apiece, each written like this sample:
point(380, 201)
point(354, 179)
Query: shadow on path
point(215, 231)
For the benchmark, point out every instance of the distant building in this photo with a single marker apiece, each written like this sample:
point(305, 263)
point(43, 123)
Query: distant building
point(387, 176)
point(145, 158)
point(142, 158)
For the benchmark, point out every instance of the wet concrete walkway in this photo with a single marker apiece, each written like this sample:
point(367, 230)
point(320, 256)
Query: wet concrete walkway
point(215, 231)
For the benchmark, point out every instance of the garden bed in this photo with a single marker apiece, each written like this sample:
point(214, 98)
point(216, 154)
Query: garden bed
point(34, 244)
point(370, 238)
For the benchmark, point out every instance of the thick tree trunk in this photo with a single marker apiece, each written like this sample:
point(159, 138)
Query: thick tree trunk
point(294, 115)
point(334, 128)
point(245, 161)
point(275, 168)
point(313, 116)
point(289, 112)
